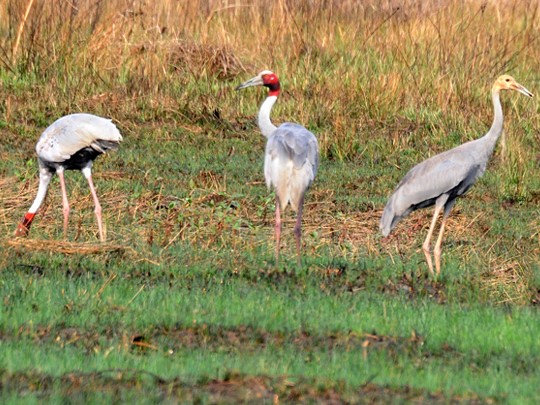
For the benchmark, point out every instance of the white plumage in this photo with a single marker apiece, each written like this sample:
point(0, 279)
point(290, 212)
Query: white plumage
point(71, 133)
point(71, 143)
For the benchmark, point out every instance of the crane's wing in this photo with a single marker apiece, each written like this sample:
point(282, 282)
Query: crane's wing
point(69, 134)
point(299, 144)
point(441, 174)
point(291, 162)
point(451, 173)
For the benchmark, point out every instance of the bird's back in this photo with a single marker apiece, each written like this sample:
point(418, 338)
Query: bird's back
point(449, 173)
point(84, 134)
point(291, 162)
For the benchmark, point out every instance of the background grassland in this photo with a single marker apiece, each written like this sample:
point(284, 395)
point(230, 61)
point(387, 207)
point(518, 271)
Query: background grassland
point(184, 302)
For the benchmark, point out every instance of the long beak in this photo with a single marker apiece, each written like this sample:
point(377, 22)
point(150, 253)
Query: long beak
point(255, 81)
point(522, 90)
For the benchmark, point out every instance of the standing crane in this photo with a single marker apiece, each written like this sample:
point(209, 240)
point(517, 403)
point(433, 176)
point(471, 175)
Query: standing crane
point(442, 178)
point(71, 143)
point(291, 158)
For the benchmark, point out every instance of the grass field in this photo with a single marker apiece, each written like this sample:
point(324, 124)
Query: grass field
point(185, 302)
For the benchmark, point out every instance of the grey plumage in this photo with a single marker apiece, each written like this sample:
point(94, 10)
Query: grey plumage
point(440, 179)
point(291, 162)
point(443, 177)
point(291, 157)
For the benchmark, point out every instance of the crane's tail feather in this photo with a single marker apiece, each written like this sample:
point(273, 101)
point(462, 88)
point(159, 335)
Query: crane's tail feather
point(289, 183)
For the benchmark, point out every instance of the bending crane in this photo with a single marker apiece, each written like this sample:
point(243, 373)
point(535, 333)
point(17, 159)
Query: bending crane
point(71, 143)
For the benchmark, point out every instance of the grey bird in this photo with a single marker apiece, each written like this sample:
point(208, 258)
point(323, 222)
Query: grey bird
point(440, 179)
point(71, 143)
point(291, 158)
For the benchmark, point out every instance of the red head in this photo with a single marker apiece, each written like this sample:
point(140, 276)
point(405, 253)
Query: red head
point(265, 78)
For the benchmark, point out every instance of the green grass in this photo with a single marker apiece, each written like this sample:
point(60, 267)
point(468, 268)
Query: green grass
point(457, 348)
point(185, 301)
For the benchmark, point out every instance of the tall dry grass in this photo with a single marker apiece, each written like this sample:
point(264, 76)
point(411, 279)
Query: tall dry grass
point(369, 61)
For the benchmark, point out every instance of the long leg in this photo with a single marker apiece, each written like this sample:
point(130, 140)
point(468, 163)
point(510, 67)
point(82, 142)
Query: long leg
point(426, 245)
point(437, 251)
point(65, 202)
point(88, 174)
point(277, 226)
point(298, 231)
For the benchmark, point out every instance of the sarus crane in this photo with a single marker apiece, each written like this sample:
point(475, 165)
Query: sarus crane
point(442, 178)
point(291, 158)
point(71, 143)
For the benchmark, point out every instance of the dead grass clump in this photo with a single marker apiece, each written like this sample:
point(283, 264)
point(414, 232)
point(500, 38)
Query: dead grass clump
point(65, 247)
point(507, 283)
point(205, 60)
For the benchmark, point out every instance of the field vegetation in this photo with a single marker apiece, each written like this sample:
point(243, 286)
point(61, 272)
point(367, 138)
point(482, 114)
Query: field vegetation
point(184, 302)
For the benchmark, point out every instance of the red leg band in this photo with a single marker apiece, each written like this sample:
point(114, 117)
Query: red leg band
point(24, 226)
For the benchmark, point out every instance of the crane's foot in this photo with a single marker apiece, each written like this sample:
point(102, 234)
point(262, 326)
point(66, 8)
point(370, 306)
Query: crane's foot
point(21, 231)
point(24, 227)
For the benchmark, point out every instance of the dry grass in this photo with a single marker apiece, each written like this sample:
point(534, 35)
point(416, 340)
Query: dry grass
point(67, 248)
point(507, 283)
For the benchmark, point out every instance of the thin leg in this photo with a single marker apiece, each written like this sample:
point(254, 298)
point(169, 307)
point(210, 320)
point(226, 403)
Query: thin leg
point(298, 231)
point(277, 227)
point(65, 202)
point(437, 251)
point(426, 245)
point(88, 174)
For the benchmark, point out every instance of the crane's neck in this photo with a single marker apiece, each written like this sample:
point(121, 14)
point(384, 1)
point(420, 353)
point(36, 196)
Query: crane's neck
point(264, 122)
point(497, 126)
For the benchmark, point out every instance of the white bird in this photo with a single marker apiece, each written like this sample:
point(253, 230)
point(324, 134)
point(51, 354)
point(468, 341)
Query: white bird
point(71, 143)
point(440, 179)
point(291, 158)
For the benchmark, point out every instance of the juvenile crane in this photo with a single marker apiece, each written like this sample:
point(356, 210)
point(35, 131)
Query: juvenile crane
point(291, 158)
point(71, 143)
point(442, 178)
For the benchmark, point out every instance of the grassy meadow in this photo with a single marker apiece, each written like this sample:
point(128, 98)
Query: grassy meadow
point(185, 302)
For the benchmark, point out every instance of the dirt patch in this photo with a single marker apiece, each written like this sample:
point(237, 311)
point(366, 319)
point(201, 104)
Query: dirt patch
point(171, 339)
point(233, 388)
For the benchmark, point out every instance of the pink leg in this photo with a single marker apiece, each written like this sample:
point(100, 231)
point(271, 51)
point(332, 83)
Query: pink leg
point(277, 227)
point(88, 174)
point(65, 202)
point(298, 231)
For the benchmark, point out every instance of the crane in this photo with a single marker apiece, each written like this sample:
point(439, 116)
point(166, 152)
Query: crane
point(291, 158)
point(71, 143)
point(442, 178)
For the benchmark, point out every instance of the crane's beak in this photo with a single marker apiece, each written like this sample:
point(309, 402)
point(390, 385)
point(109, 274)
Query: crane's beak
point(256, 81)
point(522, 90)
